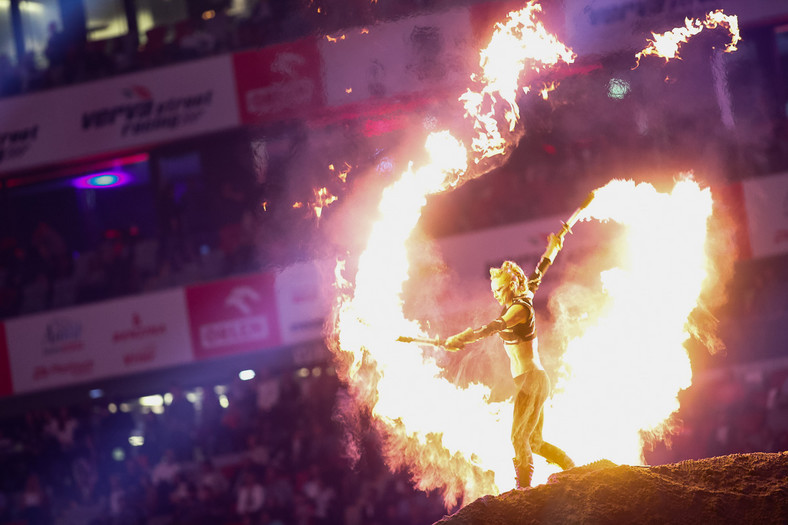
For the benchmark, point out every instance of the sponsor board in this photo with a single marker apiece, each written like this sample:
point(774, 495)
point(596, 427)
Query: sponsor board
point(303, 297)
point(233, 316)
point(766, 203)
point(98, 341)
point(278, 82)
point(408, 56)
point(117, 114)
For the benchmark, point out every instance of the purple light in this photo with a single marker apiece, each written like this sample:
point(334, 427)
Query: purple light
point(106, 179)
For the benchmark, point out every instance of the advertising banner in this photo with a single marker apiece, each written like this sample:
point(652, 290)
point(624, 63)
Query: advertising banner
point(233, 316)
point(97, 341)
point(118, 114)
point(303, 297)
point(766, 202)
point(279, 81)
point(412, 55)
point(6, 386)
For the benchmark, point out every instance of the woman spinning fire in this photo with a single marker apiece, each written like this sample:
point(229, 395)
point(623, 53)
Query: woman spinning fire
point(517, 327)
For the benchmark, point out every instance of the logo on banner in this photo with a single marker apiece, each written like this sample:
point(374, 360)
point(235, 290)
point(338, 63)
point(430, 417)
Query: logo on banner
point(62, 336)
point(138, 330)
point(143, 113)
point(15, 143)
point(241, 330)
point(292, 92)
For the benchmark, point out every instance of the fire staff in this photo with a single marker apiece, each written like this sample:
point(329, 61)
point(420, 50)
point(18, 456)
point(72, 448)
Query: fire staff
point(517, 327)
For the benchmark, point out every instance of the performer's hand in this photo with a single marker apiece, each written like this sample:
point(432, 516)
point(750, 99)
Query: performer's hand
point(458, 341)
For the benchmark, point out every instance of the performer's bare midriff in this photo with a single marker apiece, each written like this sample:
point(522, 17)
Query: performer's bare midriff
point(523, 357)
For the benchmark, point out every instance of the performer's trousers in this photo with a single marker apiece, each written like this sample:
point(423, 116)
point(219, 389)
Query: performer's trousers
point(533, 390)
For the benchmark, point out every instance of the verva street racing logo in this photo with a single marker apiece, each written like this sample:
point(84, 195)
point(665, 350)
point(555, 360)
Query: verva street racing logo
point(143, 113)
point(15, 143)
point(233, 316)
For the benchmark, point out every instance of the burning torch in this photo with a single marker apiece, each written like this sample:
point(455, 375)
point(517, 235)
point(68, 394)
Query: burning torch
point(576, 215)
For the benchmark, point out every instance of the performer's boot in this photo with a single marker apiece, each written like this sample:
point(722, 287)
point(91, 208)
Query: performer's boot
point(556, 456)
point(523, 472)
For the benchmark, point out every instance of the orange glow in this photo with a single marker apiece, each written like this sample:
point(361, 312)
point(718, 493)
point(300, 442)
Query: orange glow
point(349, 90)
point(623, 374)
point(453, 439)
point(666, 45)
point(342, 175)
point(365, 31)
point(322, 199)
point(298, 205)
point(547, 89)
point(521, 42)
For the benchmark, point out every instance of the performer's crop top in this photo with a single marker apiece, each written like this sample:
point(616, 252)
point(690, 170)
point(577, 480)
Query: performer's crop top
point(524, 331)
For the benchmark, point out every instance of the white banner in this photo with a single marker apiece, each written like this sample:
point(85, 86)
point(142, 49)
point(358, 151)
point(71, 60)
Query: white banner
point(118, 114)
point(303, 300)
point(411, 55)
point(102, 340)
point(766, 202)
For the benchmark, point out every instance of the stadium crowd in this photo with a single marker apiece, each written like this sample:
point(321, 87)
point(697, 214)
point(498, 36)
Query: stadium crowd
point(65, 61)
point(272, 453)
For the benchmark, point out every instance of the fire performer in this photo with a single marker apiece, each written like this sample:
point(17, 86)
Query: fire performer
point(517, 327)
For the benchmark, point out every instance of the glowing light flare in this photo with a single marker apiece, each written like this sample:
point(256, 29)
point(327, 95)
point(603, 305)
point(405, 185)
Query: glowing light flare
point(624, 373)
point(322, 199)
point(547, 89)
point(518, 42)
point(343, 173)
point(666, 45)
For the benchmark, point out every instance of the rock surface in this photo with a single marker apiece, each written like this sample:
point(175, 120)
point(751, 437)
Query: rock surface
point(740, 488)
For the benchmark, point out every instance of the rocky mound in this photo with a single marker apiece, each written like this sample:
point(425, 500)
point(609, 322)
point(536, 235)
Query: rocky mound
point(741, 488)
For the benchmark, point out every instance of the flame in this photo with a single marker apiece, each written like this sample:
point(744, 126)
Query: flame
point(624, 373)
point(666, 45)
point(521, 40)
point(335, 39)
point(547, 89)
point(323, 198)
point(453, 438)
point(343, 173)
point(349, 90)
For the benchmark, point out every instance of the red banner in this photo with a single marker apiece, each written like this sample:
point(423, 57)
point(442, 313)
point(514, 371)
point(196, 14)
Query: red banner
point(233, 316)
point(6, 387)
point(281, 81)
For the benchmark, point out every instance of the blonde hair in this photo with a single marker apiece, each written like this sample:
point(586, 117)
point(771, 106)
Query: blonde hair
point(514, 275)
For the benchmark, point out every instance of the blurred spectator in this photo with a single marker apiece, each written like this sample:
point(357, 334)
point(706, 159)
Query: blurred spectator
point(166, 469)
point(179, 424)
point(55, 52)
point(249, 498)
point(35, 502)
point(10, 80)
